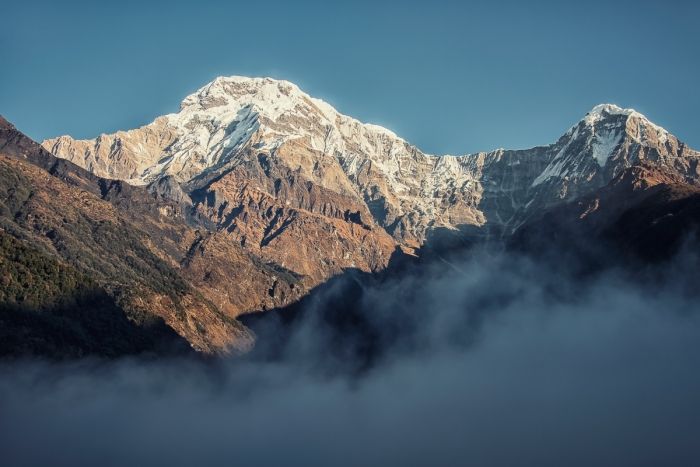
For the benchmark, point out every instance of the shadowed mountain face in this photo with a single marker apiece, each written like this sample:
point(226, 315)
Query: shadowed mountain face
point(255, 194)
point(80, 269)
point(645, 215)
point(642, 231)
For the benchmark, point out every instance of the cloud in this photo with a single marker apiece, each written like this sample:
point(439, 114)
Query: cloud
point(488, 359)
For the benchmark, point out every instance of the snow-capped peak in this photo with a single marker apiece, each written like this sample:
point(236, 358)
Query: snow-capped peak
point(216, 121)
point(603, 111)
point(598, 138)
point(270, 97)
point(607, 118)
point(610, 109)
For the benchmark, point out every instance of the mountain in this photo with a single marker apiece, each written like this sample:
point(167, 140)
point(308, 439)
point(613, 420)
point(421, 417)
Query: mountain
point(645, 215)
point(88, 266)
point(255, 194)
point(150, 255)
point(270, 135)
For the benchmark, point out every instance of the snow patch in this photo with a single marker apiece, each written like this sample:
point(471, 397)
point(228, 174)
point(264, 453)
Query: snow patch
point(604, 145)
point(554, 169)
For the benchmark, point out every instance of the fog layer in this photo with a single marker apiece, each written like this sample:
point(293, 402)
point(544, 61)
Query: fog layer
point(482, 360)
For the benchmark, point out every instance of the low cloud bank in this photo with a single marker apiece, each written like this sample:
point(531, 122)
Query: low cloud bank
point(485, 360)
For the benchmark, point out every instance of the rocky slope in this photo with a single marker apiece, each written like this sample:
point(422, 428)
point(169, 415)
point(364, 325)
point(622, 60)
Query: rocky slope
point(89, 266)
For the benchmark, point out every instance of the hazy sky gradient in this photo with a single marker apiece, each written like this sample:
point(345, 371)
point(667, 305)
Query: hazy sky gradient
point(450, 77)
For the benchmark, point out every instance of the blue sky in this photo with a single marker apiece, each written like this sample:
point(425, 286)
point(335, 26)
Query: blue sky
point(451, 77)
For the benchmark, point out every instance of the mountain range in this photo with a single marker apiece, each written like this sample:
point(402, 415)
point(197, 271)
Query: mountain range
point(255, 193)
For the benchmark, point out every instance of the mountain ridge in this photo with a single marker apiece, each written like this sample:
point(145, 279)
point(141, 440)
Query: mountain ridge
point(255, 194)
point(233, 120)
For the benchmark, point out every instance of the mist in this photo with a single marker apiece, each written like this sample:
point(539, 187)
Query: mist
point(482, 359)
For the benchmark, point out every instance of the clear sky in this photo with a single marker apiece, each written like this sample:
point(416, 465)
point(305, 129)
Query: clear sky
point(450, 77)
